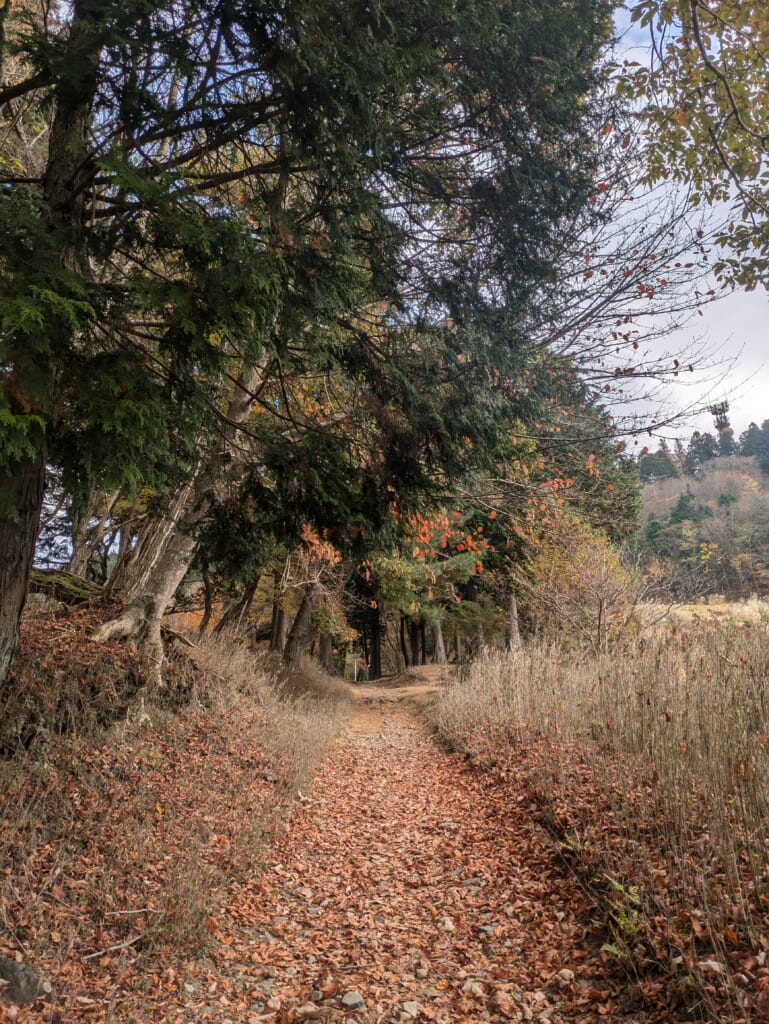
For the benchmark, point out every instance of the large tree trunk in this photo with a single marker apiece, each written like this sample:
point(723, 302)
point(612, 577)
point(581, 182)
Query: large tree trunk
point(325, 652)
point(166, 545)
point(142, 616)
point(300, 629)
point(18, 531)
point(439, 647)
point(136, 575)
point(64, 188)
point(239, 609)
point(414, 639)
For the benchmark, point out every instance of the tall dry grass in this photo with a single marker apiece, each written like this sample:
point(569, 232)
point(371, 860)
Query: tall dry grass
point(654, 764)
point(301, 711)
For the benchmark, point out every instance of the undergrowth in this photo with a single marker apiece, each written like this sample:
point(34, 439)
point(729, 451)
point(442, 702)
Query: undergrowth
point(125, 838)
point(651, 771)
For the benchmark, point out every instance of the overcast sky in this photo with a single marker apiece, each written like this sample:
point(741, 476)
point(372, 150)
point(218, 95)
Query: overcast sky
point(735, 327)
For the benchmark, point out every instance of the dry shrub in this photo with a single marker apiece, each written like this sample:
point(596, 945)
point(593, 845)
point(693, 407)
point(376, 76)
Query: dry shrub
point(653, 768)
point(577, 588)
point(476, 711)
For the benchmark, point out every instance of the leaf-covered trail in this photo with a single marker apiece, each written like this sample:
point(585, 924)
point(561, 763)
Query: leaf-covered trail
point(408, 887)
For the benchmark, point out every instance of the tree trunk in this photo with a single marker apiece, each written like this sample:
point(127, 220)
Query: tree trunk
point(125, 552)
point(133, 578)
point(404, 645)
point(239, 609)
point(602, 629)
point(300, 629)
point(439, 648)
point(512, 632)
point(142, 616)
point(366, 660)
point(86, 537)
point(375, 658)
point(279, 626)
point(166, 545)
point(208, 600)
point(478, 646)
point(326, 653)
point(64, 188)
point(19, 520)
point(80, 551)
point(459, 647)
point(414, 641)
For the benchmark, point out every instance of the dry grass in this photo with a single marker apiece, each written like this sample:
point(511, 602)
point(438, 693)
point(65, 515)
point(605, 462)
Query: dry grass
point(301, 711)
point(135, 834)
point(654, 767)
point(751, 612)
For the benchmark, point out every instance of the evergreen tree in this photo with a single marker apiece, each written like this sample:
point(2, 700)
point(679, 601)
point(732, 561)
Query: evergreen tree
point(702, 447)
point(751, 440)
point(726, 444)
point(755, 441)
point(657, 465)
point(228, 192)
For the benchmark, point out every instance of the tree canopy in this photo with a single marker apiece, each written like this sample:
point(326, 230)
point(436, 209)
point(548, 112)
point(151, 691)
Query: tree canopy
point(228, 199)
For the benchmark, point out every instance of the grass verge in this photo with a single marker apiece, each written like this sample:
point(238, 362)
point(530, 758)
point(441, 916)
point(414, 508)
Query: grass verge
point(651, 770)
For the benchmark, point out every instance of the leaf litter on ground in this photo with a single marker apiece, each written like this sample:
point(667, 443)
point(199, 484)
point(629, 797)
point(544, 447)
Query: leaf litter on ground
point(405, 885)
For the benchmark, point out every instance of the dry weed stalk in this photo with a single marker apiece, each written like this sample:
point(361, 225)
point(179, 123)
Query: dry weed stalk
point(671, 735)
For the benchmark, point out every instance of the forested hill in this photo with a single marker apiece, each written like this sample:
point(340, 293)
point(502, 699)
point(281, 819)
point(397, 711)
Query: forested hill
point(707, 531)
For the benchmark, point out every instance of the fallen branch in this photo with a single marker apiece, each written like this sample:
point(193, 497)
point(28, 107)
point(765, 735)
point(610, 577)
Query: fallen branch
point(171, 634)
point(122, 913)
point(112, 949)
point(64, 586)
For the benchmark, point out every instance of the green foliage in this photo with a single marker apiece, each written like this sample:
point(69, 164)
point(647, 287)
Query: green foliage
point(354, 211)
point(657, 465)
point(702, 447)
point(752, 440)
point(755, 441)
point(688, 508)
point(707, 110)
point(205, 226)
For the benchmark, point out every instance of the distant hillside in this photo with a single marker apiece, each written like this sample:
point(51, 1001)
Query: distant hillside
point(709, 533)
point(738, 475)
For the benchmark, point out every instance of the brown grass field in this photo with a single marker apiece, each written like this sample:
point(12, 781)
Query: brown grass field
point(651, 767)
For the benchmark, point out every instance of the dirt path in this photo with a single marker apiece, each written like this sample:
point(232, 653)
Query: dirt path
point(406, 888)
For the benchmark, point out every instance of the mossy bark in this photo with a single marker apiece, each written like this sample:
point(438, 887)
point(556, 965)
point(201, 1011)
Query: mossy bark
point(18, 532)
